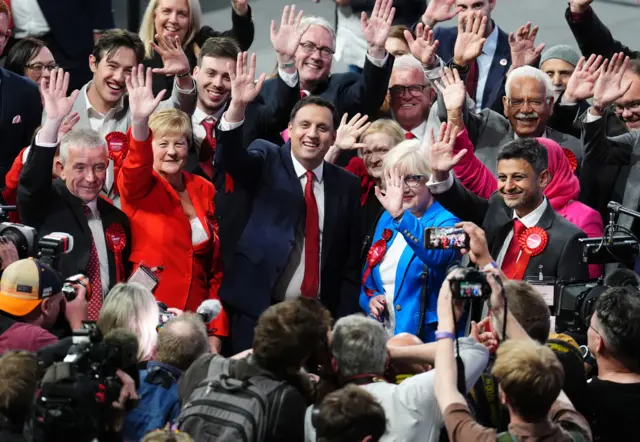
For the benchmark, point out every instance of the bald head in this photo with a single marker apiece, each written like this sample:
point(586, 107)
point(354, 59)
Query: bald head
point(181, 341)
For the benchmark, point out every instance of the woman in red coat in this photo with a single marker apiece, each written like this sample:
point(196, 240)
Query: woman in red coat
point(171, 211)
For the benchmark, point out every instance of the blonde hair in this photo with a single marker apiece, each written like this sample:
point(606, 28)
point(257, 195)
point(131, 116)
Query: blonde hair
point(132, 306)
point(147, 30)
point(170, 121)
point(410, 157)
point(167, 436)
point(385, 126)
point(531, 377)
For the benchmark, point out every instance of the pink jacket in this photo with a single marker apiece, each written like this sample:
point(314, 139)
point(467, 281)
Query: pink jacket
point(562, 192)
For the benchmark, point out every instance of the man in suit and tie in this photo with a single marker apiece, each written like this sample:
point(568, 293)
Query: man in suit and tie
point(484, 74)
point(302, 237)
point(523, 231)
point(71, 204)
point(528, 104)
point(20, 103)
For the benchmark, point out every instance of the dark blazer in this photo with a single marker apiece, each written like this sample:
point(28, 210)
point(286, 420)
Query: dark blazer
point(407, 11)
point(594, 37)
point(266, 171)
point(51, 208)
point(560, 260)
point(447, 38)
point(242, 31)
point(349, 92)
point(20, 115)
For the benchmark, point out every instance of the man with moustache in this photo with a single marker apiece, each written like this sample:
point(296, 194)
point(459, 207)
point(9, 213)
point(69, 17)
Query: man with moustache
point(528, 104)
point(515, 213)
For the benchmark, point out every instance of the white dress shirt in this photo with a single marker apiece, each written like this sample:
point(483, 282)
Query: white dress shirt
point(388, 271)
point(485, 60)
point(420, 132)
point(28, 19)
point(97, 231)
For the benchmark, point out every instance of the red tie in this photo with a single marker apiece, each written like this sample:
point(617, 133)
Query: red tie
point(93, 273)
point(311, 280)
point(303, 94)
point(409, 136)
point(472, 79)
point(511, 257)
point(208, 150)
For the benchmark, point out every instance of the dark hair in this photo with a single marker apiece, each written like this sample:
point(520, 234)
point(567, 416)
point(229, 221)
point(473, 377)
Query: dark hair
point(349, 415)
point(618, 313)
point(219, 47)
point(397, 31)
point(622, 278)
point(634, 66)
point(289, 332)
point(527, 149)
point(317, 101)
point(181, 341)
point(529, 308)
point(113, 39)
point(21, 53)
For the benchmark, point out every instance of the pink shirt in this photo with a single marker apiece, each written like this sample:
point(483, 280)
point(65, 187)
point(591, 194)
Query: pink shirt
point(27, 337)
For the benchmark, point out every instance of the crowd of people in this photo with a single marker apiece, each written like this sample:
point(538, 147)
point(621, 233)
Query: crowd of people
point(311, 255)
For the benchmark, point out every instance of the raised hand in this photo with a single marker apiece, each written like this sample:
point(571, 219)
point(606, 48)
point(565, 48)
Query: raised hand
point(174, 60)
point(441, 156)
point(453, 90)
point(142, 103)
point(392, 198)
point(241, 7)
point(583, 79)
point(470, 39)
point(376, 29)
point(424, 47)
point(579, 6)
point(287, 39)
point(68, 122)
point(244, 87)
point(438, 11)
point(54, 94)
point(349, 132)
point(523, 46)
point(611, 84)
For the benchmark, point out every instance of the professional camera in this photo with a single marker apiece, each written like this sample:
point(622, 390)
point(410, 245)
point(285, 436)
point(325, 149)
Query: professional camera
point(577, 304)
point(21, 236)
point(48, 249)
point(470, 284)
point(74, 399)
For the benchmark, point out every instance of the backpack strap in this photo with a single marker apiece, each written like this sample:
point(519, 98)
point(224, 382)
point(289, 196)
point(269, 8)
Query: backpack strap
point(219, 366)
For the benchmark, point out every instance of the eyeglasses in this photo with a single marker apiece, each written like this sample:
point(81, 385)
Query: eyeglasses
point(415, 90)
point(413, 181)
point(634, 106)
point(535, 104)
point(310, 48)
point(39, 67)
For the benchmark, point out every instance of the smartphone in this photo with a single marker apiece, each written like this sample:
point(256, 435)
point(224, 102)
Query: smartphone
point(470, 284)
point(445, 238)
point(144, 276)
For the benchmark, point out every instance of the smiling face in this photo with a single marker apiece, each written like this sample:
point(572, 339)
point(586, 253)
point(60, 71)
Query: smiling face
point(560, 71)
point(520, 186)
point(312, 59)
point(172, 19)
point(416, 196)
point(214, 83)
point(85, 171)
point(312, 133)
point(628, 106)
point(411, 106)
point(41, 63)
point(527, 107)
point(110, 73)
point(169, 153)
point(377, 145)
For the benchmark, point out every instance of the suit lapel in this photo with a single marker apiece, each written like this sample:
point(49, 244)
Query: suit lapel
point(498, 70)
point(331, 207)
point(80, 106)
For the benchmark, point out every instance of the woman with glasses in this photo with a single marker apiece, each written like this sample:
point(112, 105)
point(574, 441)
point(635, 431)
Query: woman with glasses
point(32, 59)
point(180, 19)
point(394, 290)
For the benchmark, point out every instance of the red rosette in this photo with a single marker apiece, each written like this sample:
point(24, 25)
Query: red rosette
point(387, 234)
point(116, 242)
point(532, 242)
point(375, 256)
point(573, 161)
point(118, 145)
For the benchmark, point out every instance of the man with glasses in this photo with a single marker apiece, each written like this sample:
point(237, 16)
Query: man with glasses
point(528, 104)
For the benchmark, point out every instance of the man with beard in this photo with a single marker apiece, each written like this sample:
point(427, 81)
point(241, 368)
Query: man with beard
point(528, 104)
point(517, 216)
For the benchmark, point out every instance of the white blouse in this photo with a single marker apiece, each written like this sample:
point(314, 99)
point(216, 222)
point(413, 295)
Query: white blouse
point(198, 232)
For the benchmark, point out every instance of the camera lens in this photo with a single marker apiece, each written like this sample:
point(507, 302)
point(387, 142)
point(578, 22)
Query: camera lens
point(18, 240)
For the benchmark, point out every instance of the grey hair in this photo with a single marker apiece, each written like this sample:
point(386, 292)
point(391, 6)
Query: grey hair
point(409, 156)
point(181, 341)
point(314, 20)
point(359, 344)
point(408, 62)
point(132, 306)
point(530, 72)
point(81, 138)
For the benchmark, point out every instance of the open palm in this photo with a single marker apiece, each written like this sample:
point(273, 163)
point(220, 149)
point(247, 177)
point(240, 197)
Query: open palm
point(244, 87)
point(452, 88)
point(286, 40)
point(392, 198)
point(56, 103)
point(439, 10)
point(141, 100)
point(611, 84)
point(441, 152)
point(523, 46)
point(174, 60)
point(582, 81)
point(470, 40)
point(424, 47)
point(376, 28)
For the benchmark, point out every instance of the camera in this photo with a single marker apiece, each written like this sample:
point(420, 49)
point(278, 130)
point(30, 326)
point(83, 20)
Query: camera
point(469, 284)
point(21, 236)
point(165, 314)
point(577, 304)
point(69, 291)
point(445, 238)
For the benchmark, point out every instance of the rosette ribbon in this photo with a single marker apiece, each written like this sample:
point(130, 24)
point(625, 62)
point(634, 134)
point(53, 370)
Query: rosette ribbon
point(118, 145)
point(532, 242)
point(573, 161)
point(116, 242)
point(374, 257)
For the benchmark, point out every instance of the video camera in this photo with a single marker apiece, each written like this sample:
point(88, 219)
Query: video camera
point(74, 399)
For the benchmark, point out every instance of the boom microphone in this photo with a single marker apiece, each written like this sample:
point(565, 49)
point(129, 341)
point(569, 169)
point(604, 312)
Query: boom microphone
point(209, 310)
point(121, 348)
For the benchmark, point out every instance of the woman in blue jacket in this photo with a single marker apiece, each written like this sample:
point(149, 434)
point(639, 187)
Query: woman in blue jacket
point(392, 280)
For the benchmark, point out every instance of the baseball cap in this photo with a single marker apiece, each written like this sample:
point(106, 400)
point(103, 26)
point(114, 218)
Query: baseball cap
point(24, 285)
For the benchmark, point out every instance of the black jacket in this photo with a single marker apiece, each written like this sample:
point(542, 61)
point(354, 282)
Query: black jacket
point(407, 11)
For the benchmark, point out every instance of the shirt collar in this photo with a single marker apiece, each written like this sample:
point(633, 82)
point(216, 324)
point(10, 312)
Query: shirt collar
point(544, 135)
point(118, 107)
point(491, 43)
point(419, 131)
point(533, 218)
point(93, 206)
point(301, 171)
point(199, 115)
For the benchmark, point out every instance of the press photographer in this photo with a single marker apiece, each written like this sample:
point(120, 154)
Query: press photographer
point(31, 300)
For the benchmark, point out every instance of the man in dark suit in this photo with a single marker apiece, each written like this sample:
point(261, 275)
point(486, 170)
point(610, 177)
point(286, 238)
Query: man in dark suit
point(101, 233)
point(484, 74)
point(509, 216)
point(68, 27)
point(351, 93)
point(20, 104)
point(302, 236)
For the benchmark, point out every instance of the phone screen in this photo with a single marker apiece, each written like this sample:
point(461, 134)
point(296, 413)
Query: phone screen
point(445, 238)
point(144, 276)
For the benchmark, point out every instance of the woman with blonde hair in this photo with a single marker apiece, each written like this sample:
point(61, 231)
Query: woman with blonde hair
point(181, 19)
point(171, 211)
point(393, 290)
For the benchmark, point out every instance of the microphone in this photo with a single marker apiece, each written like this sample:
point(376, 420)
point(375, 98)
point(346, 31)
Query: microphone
point(121, 348)
point(618, 208)
point(209, 310)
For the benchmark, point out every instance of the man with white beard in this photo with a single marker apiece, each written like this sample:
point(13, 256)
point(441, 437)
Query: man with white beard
point(559, 62)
